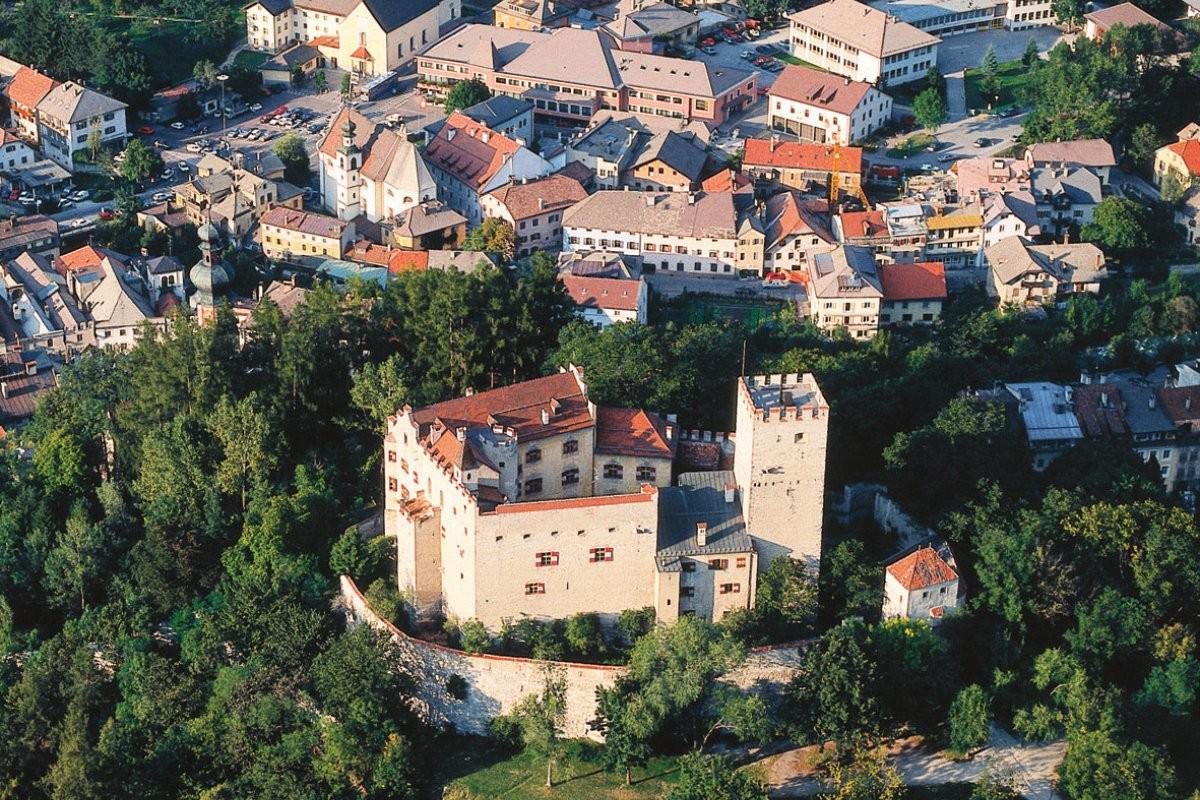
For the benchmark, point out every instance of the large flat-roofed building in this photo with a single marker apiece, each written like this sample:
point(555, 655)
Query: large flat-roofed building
point(862, 43)
point(532, 500)
point(567, 92)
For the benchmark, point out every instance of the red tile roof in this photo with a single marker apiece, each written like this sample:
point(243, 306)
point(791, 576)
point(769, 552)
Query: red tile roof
point(821, 89)
point(396, 261)
point(86, 257)
point(1189, 151)
point(724, 181)
point(921, 569)
point(632, 432)
point(925, 280)
point(28, 87)
point(1181, 404)
point(1098, 408)
point(525, 200)
point(325, 41)
point(646, 495)
point(362, 53)
point(469, 151)
point(519, 407)
point(863, 224)
point(613, 293)
point(304, 222)
point(800, 155)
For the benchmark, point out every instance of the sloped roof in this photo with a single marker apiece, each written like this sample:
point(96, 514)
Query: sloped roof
point(821, 89)
point(1126, 14)
point(679, 152)
point(869, 30)
point(632, 432)
point(699, 497)
point(29, 86)
point(800, 155)
point(792, 214)
point(71, 102)
point(704, 215)
point(291, 219)
point(921, 569)
point(590, 60)
point(1012, 257)
point(524, 200)
point(518, 406)
point(1189, 151)
point(391, 14)
point(470, 152)
point(604, 293)
point(924, 280)
point(1080, 152)
point(863, 224)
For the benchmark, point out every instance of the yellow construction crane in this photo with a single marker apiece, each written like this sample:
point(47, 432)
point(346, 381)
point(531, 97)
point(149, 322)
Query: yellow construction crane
point(835, 179)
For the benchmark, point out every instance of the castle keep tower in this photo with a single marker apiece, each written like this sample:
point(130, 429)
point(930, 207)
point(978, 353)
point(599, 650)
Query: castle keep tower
point(779, 463)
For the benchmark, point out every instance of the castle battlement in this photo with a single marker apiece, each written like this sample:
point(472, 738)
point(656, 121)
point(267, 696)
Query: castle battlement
point(785, 396)
point(705, 436)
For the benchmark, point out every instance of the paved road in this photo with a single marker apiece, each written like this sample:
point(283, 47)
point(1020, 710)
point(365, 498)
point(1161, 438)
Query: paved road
point(956, 95)
point(1032, 767)
point(958, 141)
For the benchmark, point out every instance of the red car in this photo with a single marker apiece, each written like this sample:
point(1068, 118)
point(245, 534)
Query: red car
point(709, 42)
point(145, 130)
point(762, 90)
point(106, 214)
point(14, 194)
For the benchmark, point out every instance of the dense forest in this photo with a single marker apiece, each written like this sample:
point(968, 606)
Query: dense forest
point(171, 527)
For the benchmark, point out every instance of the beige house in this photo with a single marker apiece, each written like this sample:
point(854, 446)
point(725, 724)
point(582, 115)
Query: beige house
point(816, 106)
point(368, 38)
point(1181, 160)
point(913, 294)
point(577, 502)
point(287, 234)
point(231, 197)
point(921, 585)
point(859, 42)
point(534, 209)
point(844, 290)
point(1029, 275)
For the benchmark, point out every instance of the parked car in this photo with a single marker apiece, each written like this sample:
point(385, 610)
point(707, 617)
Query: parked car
point(775, 66)
point(316, 127)
point(712, 51)
point(161, 197)
point(194, 147)
point(765, 49)
point(255, 108)
point(177, 125)
point(184, 167)
point(106, 213)
point(945, 157)
point(82, 222)
point(81, 195)
point(145, 130)
point(763, 90)
point(982, 141)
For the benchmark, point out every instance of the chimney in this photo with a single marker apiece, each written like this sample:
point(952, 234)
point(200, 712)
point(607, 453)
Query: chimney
point(774, 142)
point(460, 433)
point(470, 390)
point(1187, 403)
point(545, 416)
point(701, 534)
point(1153, 401)
point(670, 432)
point(730, 493)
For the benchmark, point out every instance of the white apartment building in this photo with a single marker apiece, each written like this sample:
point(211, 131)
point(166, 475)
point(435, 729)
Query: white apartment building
point(948, 17)
point(816, 106)
point(532, 500)
point(673, 232)
point(67, 117)
point(845, 291)
point(859, 42)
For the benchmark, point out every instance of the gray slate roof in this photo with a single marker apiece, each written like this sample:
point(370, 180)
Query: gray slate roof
point(681, 153)
point(498, 110)
point(699, 497)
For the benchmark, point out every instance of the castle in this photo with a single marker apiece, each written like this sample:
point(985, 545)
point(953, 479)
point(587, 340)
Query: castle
point(532, 500)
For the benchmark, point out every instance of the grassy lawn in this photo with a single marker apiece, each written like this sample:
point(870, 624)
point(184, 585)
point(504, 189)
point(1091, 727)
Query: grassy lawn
point(787, 58)
point(478, 771)
point(913, 144)
point(170, 54)
point(696, 309)
point(1012, 78)
point(249, 59)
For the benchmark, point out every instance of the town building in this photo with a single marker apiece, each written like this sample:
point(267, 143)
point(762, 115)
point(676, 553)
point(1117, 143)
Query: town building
point(505, 115)
point(948, 17)
point(797, 165)
point(231, 197)
point(579, 502)
point(844, 291)
point(71, 117)
point(907, 233)
point(1101, 21)
point(1032, 275)
point(367, 38)
point(534, 209)
point(1010, 214)
point(673, 232)
point(211, 276)
point(865, 228)
point(954, 238)
point(468, 160)
point(628, 150)
point(289, 235)
point(1047, 417)
point(920, 585)
point(44, 313)
point(568, 92)
point(793, 226)
point(370, 170)
point(15, 153)
point(978, 178)
point(431, 225)
point(1180, 160)
point(1094, 155)
point(651, 27)
point(36, 233)
point(913, 294)
point(24, 91)
point(1065, 198)
point(530, 15)
point(606, 288)
point(859, 42)
point(109, 288)
point(816, 106)
point(25, 377)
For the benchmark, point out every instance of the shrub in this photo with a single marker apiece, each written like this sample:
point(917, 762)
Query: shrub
point(456, 686)
point(387, 603)
point(473, 637)
point(635, 623)
point(968, 720)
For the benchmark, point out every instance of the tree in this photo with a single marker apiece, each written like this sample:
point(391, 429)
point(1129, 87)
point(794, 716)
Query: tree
point(1096, 767)
point(634, 623)
point(930, 109)
point(291, 151)
point(1119, 226)
point(493, 235)
point(205, 73)
point(866, 775)
point(707, 777)
point(584, 635)
point(787, 597)
point(832, 695)
point(244, 433)
point(188, 107)
point(73, 563)
point(380, 390)
point(465, 94)
point(990, 66)
point(1032, 53)
point(967, 721)
point(851, 584)
point(298, 75)
point(1068, 12)
point(935, 80)
point(345, 87)
point(320, 82)
point(474, 637)
point(541, 717)
point(625, 747)
point(1143, 144)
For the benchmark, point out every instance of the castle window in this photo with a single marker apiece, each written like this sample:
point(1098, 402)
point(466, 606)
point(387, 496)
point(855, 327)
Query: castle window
point(799, 437)
point(570, 476)
point(392, 456)
point(741, 562)
point(687, 591)
point(570, 446)
point(393, 484)
point(730, 588)
point(598, 554)
point(535, 588)
point(533, 456)
point(718, 563)
point(688, 566)
point(533, 486)
point(547, 559)
point(614, 471)
point(646, 473)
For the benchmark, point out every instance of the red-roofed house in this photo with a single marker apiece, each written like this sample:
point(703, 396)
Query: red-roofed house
point(913, 294)
point(15, 153)
point(1180, 160)
point(605, 301)
point(27, 88)
point(817, 106)
point(867, 228)
point(796, 164)
point(1103, 20)
point(534, 209)
point(921, 585)
point(468, 160)
point(288, 233)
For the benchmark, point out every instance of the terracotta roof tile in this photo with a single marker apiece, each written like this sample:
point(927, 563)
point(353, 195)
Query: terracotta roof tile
point(29, 86)
point(925, 280)
point(469, 151)
point(304, 222)
point(921, 569)
point(800, 155)
point(632, 432)
point(1098, 409)
point(519, 407)
point(1189, 151)
point(590, 292)
point(1181, 404)
point(863, 224)
point(524, 200)
point(820, 89)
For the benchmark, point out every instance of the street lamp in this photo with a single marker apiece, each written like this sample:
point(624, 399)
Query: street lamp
point(221, 80)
